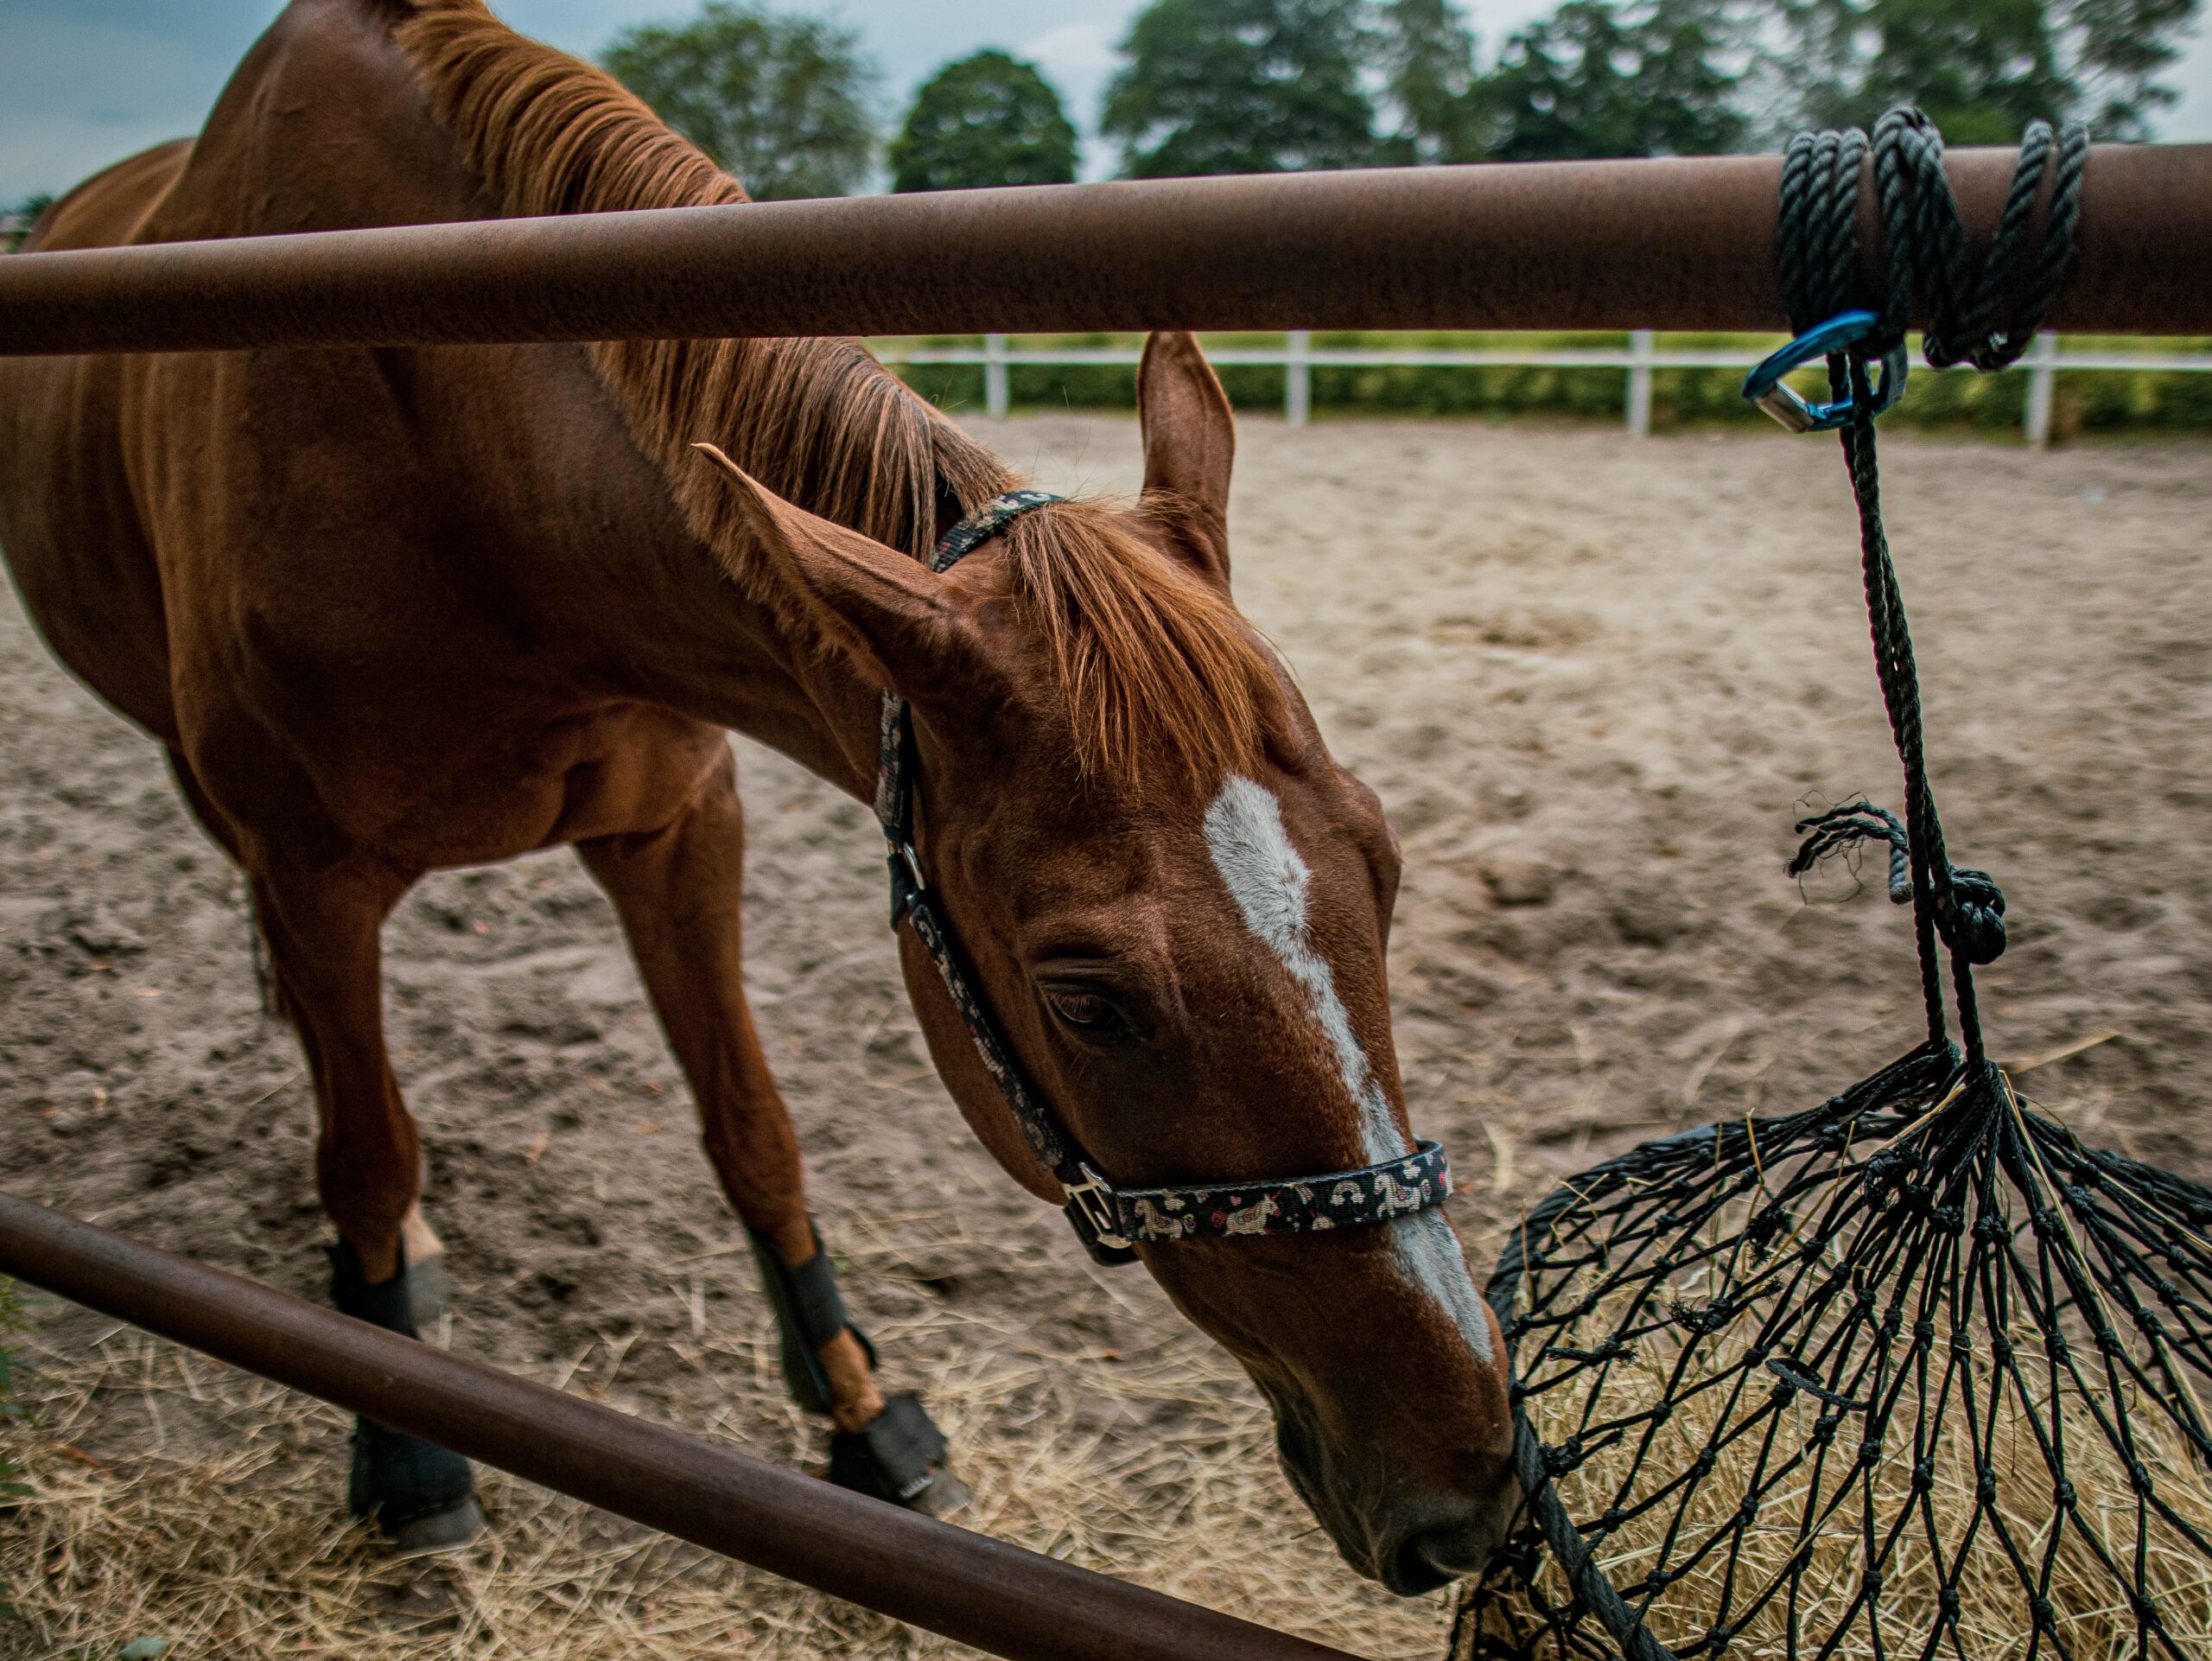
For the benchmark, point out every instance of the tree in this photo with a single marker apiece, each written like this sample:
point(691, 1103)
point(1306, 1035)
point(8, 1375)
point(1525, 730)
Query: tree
point(1427, 54)
point(15, 227)
point(1241, 87)
point(2112, 48)
point(781, 102)
point(987, 119)
point(1594, 78)
point(1982, 69)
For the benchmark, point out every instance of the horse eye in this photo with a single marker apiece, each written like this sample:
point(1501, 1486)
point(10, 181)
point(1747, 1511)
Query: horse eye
point(1089, 1016)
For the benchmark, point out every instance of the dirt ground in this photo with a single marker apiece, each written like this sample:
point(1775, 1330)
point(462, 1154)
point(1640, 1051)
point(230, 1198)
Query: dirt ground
point(1593, 680)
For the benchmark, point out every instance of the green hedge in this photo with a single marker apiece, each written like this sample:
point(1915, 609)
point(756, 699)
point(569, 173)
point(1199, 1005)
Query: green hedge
point(2090, 400)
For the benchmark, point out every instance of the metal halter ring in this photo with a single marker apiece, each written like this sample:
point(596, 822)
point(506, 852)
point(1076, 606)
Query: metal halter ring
point(1765, 386)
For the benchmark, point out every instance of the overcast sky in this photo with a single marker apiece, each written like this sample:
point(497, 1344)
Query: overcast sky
point(87, 82)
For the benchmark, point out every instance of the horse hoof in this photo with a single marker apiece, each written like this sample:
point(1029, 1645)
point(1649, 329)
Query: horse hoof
point(428, 1287)
point(945, 1496)
point(446, 1531)
point(900, 1458)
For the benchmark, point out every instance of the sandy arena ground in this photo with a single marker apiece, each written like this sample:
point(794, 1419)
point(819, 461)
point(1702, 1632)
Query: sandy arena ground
point(1591, 679)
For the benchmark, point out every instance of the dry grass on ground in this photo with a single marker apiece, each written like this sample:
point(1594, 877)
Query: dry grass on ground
point(244, 1552)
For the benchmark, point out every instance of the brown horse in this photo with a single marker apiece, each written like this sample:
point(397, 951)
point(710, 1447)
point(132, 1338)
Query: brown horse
point(395, 611)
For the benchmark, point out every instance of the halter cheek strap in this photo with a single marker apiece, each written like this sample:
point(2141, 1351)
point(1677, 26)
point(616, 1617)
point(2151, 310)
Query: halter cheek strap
point(1110, 1220)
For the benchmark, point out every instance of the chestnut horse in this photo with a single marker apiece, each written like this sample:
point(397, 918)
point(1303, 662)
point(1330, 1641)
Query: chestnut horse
point(393, 611)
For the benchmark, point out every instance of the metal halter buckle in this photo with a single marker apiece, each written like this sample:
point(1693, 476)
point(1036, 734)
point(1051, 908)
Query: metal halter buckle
point(1765, 386)
point(1090, 1207)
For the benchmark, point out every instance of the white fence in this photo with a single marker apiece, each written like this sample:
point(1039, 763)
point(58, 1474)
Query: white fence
point(1298, 358)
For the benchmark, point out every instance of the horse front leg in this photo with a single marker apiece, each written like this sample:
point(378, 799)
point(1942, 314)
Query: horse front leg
point(322, 928)
point(424, 1254)
point(680, 891)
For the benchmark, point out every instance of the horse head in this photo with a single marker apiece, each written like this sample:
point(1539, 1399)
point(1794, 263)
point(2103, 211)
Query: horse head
point(1176, 906)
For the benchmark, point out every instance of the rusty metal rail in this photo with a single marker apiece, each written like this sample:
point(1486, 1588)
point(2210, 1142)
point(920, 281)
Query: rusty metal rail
point(998, 1597)
point(1679, 244)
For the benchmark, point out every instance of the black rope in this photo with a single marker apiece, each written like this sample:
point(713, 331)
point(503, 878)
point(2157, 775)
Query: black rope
point(1965, 908)
point(1933, 273)
point(1930, 265)
point(1837, 829)
point(1816, 236)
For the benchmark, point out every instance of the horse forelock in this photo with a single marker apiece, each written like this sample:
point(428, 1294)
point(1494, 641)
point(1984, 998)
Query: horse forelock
point(1160, 675)
point(1166, 685)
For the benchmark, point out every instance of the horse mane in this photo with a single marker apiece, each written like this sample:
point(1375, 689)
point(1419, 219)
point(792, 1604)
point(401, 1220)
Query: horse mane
point(1154, 665)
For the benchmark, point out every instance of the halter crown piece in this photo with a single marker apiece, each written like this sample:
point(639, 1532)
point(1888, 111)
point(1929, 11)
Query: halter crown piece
point(1112, 1221)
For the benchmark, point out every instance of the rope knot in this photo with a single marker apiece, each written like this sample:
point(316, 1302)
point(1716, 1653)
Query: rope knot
point(1969, 906)
point(1970, 914)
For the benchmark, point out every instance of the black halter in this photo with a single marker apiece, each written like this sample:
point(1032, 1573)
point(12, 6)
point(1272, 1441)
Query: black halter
point(1112, 1221)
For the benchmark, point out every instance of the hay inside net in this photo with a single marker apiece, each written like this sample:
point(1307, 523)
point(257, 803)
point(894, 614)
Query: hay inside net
point(1915, 1373)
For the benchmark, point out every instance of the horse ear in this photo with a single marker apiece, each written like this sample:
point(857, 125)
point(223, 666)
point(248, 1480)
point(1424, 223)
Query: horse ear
point(888, 613)
point(1190, 442)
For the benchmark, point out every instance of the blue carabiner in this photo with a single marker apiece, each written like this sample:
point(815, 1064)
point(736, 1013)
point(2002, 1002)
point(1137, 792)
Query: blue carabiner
point(1765, 386)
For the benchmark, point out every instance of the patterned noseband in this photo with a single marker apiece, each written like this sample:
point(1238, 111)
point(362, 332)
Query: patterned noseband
point(1112, 1221)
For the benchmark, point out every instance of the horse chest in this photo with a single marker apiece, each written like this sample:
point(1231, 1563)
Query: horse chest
point(431, 796)
point(603, 773)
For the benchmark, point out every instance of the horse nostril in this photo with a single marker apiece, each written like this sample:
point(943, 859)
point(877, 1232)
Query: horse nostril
point(1455, 1545)
point(1436, 1557)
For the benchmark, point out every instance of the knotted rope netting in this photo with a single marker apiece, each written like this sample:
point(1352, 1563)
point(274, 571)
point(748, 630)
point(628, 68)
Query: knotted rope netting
point(1916, 1372)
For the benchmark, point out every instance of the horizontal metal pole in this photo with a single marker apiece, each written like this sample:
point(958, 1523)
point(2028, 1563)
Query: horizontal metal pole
point(998, 1597)
point(1675, 244)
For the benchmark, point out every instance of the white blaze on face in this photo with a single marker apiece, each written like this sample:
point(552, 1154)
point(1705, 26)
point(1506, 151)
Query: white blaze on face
point(1267, 879)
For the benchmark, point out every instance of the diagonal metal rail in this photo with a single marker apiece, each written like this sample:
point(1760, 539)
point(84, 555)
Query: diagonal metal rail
point(1000, 1597)
point(1674, 244)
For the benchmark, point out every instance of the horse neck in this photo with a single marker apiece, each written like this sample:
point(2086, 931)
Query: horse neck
point(828, 429)
point(662, 621)
point(600, 521)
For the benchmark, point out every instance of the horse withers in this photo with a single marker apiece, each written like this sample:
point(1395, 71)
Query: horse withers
point(394, 611)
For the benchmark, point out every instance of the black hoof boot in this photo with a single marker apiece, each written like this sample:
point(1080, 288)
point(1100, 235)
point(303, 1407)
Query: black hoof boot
point(900, 1458)
point(810, 1312)
point(422, 1497)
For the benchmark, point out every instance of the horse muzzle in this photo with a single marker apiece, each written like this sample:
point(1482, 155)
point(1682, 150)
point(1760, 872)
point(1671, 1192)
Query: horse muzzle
point(1412, 1523)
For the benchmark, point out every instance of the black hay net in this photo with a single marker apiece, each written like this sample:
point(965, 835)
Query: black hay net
point(1913, 1374)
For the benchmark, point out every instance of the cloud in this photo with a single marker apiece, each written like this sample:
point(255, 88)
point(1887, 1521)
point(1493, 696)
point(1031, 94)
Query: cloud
point(1073, 55)
point(1078, 58)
